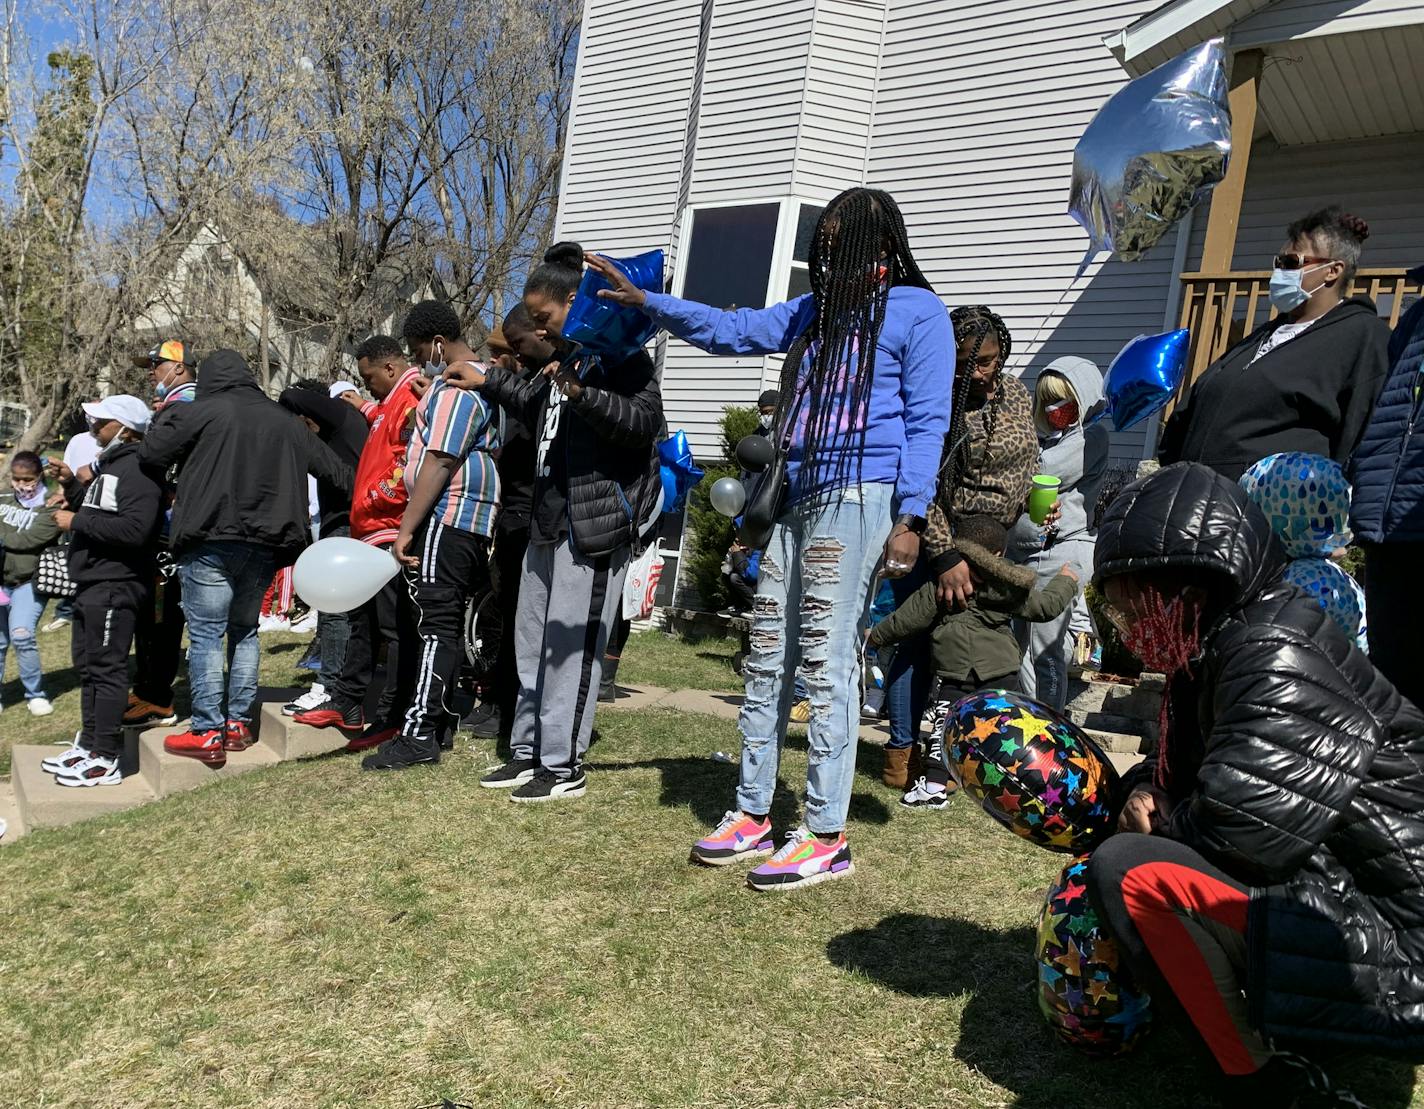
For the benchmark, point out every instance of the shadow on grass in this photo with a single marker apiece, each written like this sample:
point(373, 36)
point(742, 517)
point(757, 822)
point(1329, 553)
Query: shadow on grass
point(1002, 1036)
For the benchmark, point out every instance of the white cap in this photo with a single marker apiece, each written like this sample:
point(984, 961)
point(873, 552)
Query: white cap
point(339, 387)
point(129, 411)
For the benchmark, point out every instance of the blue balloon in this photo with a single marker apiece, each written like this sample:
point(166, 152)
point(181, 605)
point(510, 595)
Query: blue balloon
point(608, 329)
point(1143, 378)
point(1306, 497)
point(678, 471)
point(1336, 592)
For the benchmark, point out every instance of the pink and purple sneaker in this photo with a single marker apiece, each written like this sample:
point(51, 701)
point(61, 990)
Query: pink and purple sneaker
point(803, 861)
point(737, 837)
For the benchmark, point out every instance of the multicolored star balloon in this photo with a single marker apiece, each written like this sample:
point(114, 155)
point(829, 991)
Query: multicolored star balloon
point(1084, 992)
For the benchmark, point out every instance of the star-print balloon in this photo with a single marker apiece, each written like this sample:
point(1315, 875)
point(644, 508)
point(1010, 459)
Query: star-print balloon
point(1336, 592)
point(1085, 991)
point(1306, 498)
point(1032, 770)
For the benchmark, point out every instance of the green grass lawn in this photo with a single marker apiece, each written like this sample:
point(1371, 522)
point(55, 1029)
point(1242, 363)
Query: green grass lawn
point(314, 936)
point(657, 659)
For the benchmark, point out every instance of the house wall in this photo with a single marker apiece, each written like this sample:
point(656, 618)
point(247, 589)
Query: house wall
point(1290, 19)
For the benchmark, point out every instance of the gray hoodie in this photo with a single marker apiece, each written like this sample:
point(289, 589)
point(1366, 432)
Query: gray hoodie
point(1078, 456)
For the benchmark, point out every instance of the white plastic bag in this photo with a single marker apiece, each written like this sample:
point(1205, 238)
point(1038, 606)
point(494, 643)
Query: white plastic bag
point(640, 587)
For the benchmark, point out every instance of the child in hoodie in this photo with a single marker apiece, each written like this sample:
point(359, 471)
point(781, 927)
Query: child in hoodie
point(1067, 390)
point(972, 647)
point(27, 527)
point(112, 561)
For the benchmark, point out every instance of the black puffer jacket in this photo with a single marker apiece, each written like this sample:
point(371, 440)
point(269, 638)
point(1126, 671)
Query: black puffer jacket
point(1295, 767)
point(614, 487)
point(245, 463)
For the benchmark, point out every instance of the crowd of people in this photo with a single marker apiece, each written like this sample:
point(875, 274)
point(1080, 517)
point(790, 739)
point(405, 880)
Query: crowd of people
point(1279, 820)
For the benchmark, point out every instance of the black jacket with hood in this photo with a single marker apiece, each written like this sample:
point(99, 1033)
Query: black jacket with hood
point(1313, 393)
point(118, 525)
point(1294, 766)
point(245, 464)
point(610, 443)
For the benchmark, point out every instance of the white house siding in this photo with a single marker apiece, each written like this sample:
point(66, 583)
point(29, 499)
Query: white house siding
point(1292, 19)
point(628, 116)
point(978, 111)
point(834, 141)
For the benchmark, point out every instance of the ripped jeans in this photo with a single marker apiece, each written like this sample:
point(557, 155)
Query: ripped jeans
point(810, 610)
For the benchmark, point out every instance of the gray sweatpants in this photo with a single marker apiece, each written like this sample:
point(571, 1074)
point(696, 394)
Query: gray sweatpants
point(568, 604)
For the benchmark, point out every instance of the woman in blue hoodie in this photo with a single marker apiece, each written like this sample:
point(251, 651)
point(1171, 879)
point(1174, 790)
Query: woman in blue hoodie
point(864, 410)
point(1067, 390)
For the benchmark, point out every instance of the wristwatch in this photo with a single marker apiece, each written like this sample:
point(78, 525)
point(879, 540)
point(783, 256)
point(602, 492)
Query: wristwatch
point(910, 522)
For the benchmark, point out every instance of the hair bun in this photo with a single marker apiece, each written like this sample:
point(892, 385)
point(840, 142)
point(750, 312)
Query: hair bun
point(1356, 226)
point(568, 255)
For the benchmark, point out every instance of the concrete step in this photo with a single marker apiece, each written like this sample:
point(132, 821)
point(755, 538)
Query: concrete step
point(42, 804)
point(1118, 742)
point(1113, 723)
point(1123, 762)
point(10, 814)
point(167, 774)
point(288, 740)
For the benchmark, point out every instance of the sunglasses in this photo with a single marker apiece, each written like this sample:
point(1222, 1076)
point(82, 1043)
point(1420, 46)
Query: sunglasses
point(1293, 261)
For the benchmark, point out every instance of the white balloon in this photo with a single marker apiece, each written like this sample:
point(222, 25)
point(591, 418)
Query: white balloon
point(340, 574)
point(728, 496)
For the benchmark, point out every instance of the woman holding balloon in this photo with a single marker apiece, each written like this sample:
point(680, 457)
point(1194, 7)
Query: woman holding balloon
point(862, 418)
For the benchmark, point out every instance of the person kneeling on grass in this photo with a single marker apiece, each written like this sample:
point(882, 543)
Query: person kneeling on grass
point(112, 562)
point(444, 537)
point(1269, 868)
point(972, 647)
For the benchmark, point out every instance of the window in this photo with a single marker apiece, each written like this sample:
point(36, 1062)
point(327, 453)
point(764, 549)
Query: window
point(729, 255)
point(799, 283)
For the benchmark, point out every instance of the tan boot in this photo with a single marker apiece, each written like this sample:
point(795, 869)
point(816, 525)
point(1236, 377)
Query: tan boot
point(897, 767)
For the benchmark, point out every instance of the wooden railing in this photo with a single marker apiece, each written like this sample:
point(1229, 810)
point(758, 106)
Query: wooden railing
point(1222, 308)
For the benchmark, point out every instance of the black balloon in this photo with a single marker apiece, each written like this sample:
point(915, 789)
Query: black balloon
point(755, 453)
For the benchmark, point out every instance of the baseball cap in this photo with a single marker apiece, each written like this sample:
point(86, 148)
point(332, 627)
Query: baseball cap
point(170, 350)
point(129, 411)
point(339, 387)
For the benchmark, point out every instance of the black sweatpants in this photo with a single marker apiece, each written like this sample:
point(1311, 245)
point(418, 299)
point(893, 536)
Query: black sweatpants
point(158, 644)
point(105, 616)
point(453, 564)
point(943, 695)
point(508, 568)
point(1394, 610)
point(389, 618)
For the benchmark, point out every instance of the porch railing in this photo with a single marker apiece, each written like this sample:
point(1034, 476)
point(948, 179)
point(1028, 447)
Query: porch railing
point(1222, 308)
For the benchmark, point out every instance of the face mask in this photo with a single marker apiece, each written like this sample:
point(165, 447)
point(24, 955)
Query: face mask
point(30, 496)
point(767, 421)
point(1061, 415)
point(435, 369)
point(1288, 289)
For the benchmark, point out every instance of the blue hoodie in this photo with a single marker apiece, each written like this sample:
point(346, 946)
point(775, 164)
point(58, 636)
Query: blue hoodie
point(908, 414)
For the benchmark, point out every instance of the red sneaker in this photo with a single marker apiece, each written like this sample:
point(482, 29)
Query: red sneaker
point(237, 736)
point(373, 736)
point(206, 747)
point(329, 714)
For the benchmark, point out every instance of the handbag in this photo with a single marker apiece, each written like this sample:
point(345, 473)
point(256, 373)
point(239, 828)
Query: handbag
point(640, 586)
point(768, 495)
point(52, 574)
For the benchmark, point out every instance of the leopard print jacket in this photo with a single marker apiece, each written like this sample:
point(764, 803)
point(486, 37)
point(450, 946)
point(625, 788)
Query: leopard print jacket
point(999, 489)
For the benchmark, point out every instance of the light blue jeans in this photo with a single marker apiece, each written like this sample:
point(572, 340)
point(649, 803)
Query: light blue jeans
point(223, 583)
point(18, 621)
point(811, 610)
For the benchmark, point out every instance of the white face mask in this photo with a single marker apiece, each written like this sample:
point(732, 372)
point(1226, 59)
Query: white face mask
point(1288, 288)
point(767, 421)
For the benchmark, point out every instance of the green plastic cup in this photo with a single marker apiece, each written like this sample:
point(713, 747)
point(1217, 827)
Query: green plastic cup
point(1042, 495)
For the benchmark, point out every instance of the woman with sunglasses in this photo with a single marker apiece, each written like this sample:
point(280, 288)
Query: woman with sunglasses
point(1067, 390)
point(1305, 380)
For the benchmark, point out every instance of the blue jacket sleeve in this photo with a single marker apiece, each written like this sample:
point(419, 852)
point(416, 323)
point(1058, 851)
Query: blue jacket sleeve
point(743, 331)
point(926, 385)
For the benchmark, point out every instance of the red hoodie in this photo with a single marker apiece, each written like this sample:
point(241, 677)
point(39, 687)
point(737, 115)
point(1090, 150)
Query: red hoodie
point(380, 497)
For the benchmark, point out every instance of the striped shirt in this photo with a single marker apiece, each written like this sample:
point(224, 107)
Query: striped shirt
point(459, 423)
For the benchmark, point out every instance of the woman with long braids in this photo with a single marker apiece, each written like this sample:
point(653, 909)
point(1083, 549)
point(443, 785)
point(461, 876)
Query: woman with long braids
point(988, 465)
point(863, 413)
point(1268, 870)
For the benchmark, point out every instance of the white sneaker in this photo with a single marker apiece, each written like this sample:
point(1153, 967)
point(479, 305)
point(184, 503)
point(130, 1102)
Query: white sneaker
point(93, 771)
point(39, 706)
point(55, 624)
point(306, 624)
point(307, 701)
point(70, 757)
point(273, 624)
point(926, 795)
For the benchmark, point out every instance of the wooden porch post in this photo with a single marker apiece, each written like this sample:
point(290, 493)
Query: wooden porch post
point(1225, 215)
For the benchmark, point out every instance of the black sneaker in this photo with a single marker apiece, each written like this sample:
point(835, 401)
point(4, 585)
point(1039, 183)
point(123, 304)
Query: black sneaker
point(547, 786)
point(398, 754)
point(513, 773)
point(484, 722)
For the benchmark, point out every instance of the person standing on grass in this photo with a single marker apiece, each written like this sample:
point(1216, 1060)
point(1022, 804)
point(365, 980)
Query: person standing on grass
point(377, 508)
point(864, 407)
point(444, 537)
point(158, 642)
point(27, 527)
point(342, 428)
point(597, 496)
point(112, 561)
point(517, 349)
point(240, 512)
